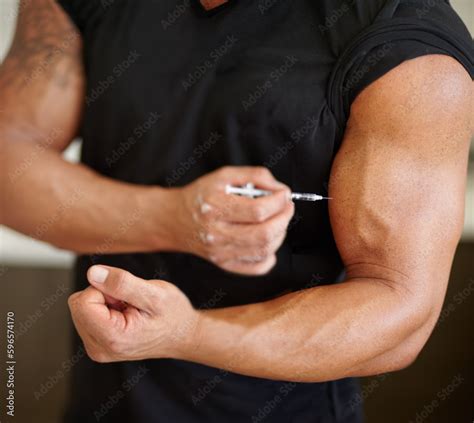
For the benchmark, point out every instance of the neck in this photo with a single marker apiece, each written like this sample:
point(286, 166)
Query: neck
point(212, 4)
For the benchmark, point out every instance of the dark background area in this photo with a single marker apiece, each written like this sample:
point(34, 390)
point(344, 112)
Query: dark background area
point(438, 388)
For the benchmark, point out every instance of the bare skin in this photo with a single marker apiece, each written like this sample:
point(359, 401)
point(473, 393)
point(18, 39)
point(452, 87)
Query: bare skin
point(212, 4)
point(399, 181)
point(73, 207)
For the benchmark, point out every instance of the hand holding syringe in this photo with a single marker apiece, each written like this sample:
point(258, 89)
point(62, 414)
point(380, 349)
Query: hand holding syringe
point(249, 190)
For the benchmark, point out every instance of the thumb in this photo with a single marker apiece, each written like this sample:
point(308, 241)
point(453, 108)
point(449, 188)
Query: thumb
point(123, 286)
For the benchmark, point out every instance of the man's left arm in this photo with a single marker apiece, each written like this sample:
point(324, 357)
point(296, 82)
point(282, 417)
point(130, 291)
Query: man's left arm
point(398, 185)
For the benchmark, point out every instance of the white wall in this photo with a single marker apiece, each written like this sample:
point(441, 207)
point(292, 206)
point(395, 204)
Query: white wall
point(19, 249)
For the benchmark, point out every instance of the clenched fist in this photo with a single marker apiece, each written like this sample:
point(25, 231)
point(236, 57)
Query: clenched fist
point(121, 317)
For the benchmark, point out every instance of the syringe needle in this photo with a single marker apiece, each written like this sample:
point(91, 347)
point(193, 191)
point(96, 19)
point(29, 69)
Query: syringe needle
point(306, 196)
point(250, 191)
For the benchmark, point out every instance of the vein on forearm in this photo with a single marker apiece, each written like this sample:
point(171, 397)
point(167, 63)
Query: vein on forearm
point(319, 334)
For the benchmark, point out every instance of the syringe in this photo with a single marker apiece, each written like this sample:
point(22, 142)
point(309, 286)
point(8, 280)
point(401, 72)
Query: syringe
point(248, 190)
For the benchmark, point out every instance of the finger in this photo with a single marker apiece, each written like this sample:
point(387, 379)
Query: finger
point(124, 286)
point(249, 235)
point(114, 303)
point(89, 311)
point(260, 176)
point(236, 244)
point(96, 324)
point(254, 253)
point(88, 295)
point(250, 268)
point(239, 209)
point(253, 242)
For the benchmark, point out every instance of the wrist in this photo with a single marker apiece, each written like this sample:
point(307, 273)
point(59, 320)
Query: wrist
point(187, 341)
point(160, 206)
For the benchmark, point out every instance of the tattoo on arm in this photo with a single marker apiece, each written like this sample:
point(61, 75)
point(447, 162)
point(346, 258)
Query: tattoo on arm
point(46, 47)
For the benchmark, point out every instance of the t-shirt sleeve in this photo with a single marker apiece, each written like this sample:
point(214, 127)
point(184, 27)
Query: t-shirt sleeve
point(411, 29)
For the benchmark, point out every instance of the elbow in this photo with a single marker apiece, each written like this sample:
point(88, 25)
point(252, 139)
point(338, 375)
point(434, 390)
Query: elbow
point(407, 357)
point(420, 324)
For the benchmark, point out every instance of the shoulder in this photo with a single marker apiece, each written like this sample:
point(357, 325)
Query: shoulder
point(422, 92)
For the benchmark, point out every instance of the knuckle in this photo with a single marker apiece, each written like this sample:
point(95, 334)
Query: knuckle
point(115, 346)
point(208, 217)
point(235, 267)
point(154, 299)
point(264, 251)
point(158, 293)
point(280, 231)
point(205, 207)
point(102, 358)
point(290, 210)
point(97, 356)
point(106, 338)
point(73, 300)
point(217, 213)
point(224, 170)
point(265, 267)
point(266, 236)
point(217, 259)
point(207, 237)
point(262, 172)
point(258, 213)
point(120, 283)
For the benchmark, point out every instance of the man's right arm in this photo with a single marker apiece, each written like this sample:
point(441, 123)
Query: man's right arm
point(44, 196)
point(73, 207)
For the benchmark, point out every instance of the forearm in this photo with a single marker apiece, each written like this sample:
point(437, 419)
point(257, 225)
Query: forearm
point(324, 333)
point(72, 207)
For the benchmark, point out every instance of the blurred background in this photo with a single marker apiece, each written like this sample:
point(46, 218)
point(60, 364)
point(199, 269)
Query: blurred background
point(35, 281)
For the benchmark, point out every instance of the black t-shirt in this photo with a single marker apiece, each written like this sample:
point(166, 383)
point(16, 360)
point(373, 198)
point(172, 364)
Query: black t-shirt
point(173, 94)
